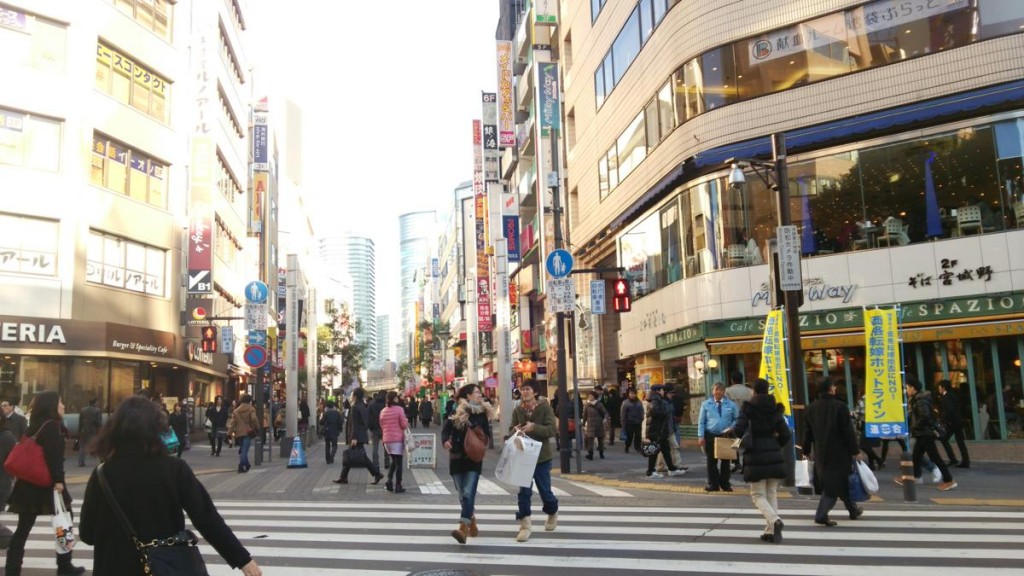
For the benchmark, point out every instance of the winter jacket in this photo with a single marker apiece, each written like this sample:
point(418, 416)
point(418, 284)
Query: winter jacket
point(243, 419)
point(829, 435)
point(219, 418)
point(358, 424)
point(466, 415)
point(426, 411)
point(632, 412)
point(659, 416)
point(90, 420)
point(613, 402)
point(922, 419)
point(332, 421)
point(154, 492)
point(769, 433)
point(373, 410)
point(544, 428)
point(951, 416)
point(392, 422)
point(594, 414)
point(7, 442)
point(179, 424)
point(34, 499)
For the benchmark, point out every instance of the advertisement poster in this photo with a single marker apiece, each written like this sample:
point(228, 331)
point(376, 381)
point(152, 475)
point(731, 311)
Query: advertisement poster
point(883, 379)
point(773, 362)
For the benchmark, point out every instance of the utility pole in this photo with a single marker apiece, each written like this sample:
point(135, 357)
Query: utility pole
point(564, 410)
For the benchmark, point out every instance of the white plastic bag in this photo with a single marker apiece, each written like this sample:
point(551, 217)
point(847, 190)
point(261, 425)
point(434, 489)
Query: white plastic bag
point(62, 527)
point(936, 474)
point(802, 474)
point(410, 442)
point(867, 477)
point(518, 460)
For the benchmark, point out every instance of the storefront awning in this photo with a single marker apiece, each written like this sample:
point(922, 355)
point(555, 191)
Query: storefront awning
point(681, 351)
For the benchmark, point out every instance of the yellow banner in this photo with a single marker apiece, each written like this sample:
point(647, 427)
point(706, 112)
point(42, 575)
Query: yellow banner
point(773, 362)
point(883, 386)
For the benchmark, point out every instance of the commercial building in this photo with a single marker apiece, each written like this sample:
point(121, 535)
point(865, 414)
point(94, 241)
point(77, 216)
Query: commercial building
point(415, 231)
point(905, 128)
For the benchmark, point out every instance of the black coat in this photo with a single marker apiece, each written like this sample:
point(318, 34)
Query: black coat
point(373, 414)
point(179, 424)
point(426, 411)
point(658, 427)
point(465, 416)
point(219, 418)
point(613, 403)
point(34, 499)
point(153, 492)
point(769, 433)
point(333, 422)
point(7, 441)
point(359, 423)
point(951, 416)
point(829, 435)
point(922, 419)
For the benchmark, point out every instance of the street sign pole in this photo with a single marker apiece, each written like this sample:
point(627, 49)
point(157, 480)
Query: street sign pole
point(564, 409)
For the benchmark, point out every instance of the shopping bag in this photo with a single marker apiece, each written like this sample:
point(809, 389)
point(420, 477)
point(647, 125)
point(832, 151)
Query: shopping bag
point(802, 474)
point(171, 441)
point(857, 491)
point(518, 460)
point(410, 442)
point(62, 526)
point(936, 474)
point(724, 448)
point(867, 477)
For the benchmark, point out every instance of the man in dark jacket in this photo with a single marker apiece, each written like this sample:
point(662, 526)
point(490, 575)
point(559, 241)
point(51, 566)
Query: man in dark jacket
point(376, 405)
point(90, 420)
point(829, 434)
point(426, 412)
point(922, 429)
point(613, 403)
point(16, 423)
point(632, 418)
point(332, 422)
point(659, 430)
point(359, 433)
point(954, 423)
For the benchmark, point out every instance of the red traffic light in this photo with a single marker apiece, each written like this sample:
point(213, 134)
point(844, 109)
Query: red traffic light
point(209, 343)
point(621, 299)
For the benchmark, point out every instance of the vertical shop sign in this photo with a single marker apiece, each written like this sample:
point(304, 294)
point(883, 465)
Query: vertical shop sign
point(883, 387)
point(506, 110)
point(773, 362)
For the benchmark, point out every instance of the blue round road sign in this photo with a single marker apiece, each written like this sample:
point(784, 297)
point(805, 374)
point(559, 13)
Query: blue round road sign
point(256, 292)
point(559, 263)
point(255, 356)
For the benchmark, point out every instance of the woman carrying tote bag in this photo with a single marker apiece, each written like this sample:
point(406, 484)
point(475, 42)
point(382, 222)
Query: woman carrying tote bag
point(154, 491)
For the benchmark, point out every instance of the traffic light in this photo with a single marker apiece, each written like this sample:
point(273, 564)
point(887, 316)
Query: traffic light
point(210, 339)
point(621, 300)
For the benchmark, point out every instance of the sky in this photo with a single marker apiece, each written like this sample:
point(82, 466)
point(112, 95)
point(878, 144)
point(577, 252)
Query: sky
point(388, 91)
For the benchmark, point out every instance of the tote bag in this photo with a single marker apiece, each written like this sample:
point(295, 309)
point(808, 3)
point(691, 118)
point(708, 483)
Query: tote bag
point(518, 460)
point(62, 526)
point(26, 461)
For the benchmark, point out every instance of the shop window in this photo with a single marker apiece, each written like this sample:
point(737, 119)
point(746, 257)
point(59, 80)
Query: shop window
point(28, 245)
point(671, 244)
point(85, 379)
point(716, 78)
point(30, 141)
point(32, 41)
point(130, 82)
point(1000, 17)
point(153, 15)
point(632, 147)
point(640, 254)
point(935, 26)
point(29, 375)
point(125, 379)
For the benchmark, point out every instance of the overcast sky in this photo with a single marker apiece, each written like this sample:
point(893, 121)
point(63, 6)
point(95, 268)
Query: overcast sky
point(389, 90)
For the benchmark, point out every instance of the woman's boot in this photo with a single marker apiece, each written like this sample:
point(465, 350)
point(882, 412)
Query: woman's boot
point(65, 568)
point(473, 529)
point(524, 530)
point(461, 533)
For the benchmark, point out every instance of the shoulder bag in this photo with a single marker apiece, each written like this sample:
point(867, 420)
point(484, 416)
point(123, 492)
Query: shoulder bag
point(27, 462)
point(475, 444)
point(177, 555)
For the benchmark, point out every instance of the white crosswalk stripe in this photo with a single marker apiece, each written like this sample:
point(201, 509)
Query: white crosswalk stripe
point(384, 539)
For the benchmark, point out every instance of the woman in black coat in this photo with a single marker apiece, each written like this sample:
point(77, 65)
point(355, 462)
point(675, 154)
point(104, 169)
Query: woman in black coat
point(764, 467)
point(28, 500)
point(218, 413)
point(470, 412)
point(153, 490)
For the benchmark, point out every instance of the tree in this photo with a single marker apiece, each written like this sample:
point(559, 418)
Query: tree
point(337, 337)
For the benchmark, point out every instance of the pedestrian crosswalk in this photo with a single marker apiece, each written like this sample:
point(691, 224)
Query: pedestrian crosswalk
point(621, 537)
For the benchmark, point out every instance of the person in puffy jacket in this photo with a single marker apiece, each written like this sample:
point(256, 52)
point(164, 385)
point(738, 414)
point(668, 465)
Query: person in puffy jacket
point(393, 424)
point(632, 419)
point(764, 467)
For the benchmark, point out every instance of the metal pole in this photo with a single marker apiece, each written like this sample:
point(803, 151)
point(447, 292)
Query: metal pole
point(791, 304)
point(576, 395)
point(563, 391)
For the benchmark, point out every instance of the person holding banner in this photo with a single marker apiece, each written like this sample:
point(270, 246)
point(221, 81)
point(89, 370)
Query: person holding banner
point(830, 437)
point(764, 466)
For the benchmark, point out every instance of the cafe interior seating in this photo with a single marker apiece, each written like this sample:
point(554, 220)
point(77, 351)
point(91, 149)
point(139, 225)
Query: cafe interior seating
point(736, 255)
point(893, 232)
point(968, 218)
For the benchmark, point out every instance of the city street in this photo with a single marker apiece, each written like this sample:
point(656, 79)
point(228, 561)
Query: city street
point(296, 521)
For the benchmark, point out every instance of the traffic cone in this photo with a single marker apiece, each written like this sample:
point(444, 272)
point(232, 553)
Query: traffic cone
point(298, 457)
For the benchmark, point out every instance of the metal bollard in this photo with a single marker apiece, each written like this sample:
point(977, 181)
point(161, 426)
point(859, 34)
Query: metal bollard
point(907, 474)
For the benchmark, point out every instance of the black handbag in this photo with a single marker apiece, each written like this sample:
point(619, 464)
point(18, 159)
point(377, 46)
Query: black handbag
point(650, 448)
point(355, 458)
point(177, 555)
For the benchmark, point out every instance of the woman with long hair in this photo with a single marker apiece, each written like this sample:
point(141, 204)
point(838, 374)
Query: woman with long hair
point(28, 500)
point(470, 412)
point(217, 414)
point(153, 490)
point(179, 424)
point(393, 423)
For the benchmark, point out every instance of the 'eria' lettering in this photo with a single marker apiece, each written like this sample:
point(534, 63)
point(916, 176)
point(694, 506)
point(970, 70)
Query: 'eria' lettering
point(38, 333)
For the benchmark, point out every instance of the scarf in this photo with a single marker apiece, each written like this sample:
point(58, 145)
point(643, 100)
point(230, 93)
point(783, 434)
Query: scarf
point(460, 418)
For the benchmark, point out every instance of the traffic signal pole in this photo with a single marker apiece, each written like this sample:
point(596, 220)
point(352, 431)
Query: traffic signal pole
point(564, 410)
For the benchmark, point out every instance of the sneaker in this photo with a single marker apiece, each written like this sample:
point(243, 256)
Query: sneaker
point(655, 475)
point(947, 485)
point(678, 472)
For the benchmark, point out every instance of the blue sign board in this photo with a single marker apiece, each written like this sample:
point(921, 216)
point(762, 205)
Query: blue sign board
point(257, 337)
point(255, 356)
point(256, 292)
point(559, 263)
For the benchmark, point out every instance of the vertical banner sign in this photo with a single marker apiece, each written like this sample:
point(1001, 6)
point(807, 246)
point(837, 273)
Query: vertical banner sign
point(548, 88)
point(490, 136)
point(883, 386)
point(773, 362)
point(511, 226)
point(506, 107)
point(479, 192)
point(260, 143)
point(200, 228)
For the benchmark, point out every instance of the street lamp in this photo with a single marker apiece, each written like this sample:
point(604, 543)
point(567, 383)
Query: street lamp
point(774, 175)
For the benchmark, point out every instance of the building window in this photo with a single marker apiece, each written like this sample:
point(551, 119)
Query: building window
point(236, 15)
point(226, 181)
point(121, 263)
point(634, 35)
point(225, 107)
point(230, 59)
point(130, 82)
point(154, 15)
point(29, 141)
point(595, 9)
point(31, 41)
point(225, 245)
point(28, 245)
point(127, 171)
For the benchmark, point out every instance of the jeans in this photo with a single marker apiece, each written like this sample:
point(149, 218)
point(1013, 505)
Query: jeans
point(633, 436)
point(331, 448)
point(243, 451)
point(718, 470)
point(764, 495)
point(542, 478)
point(951, 431)
point(466, 483)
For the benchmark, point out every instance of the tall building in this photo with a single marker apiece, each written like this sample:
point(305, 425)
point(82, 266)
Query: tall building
point(362, 268)
point(415, 231)
point(96, 262)
point(903, 132)
point(384, 351)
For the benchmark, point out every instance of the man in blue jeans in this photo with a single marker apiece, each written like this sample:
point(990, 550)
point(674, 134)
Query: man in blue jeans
point(535, 418)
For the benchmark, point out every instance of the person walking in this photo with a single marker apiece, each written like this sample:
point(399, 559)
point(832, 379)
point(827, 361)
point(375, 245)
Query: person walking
point(922, 429)
point(332, 422)
point(358, 426)
point(632, 418)
point(393, 424)
point(7, 442)
point(659, 431)
point(426, 412)
point(717, 418)
point(953, 421)
point(594, 416)
point(470, 412)
point(29, 501)
point(867, 444)
point(179, 424)
point(153, 491)
point(244, 427)
point(412, 410)
point(217, 413)
point(373, 428)
point(829, 435)
point(16, 423)
point(764, 466)
point(740, 394)
point(613, 403)
point(535, 418)
point(90, 419)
